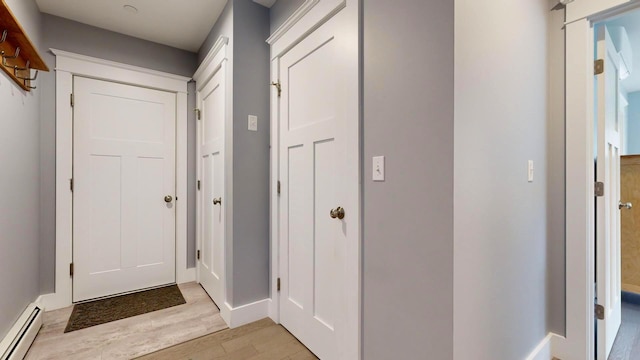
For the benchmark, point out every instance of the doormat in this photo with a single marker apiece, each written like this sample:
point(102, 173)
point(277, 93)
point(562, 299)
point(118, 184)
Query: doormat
point(121, 307)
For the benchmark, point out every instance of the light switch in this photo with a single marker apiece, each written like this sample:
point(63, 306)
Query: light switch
point(253, 123)
point(378, 168)
point(530, 171)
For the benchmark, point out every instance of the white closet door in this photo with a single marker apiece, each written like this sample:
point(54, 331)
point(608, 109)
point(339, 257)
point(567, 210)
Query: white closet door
point(319, 167)
point(212, 203)
point(124, 188)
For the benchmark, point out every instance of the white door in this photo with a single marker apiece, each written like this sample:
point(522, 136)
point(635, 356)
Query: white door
point(212, 203)
point(608, 214)
point(123, 188)
point(319, 173)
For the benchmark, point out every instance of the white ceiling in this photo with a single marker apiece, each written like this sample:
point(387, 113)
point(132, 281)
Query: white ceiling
point(631, 22)
point(183, 24)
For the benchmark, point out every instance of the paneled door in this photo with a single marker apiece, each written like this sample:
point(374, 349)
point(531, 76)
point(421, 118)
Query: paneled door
point(124, 185)
point(319, 174)
point(211, 202)
point(608, 207)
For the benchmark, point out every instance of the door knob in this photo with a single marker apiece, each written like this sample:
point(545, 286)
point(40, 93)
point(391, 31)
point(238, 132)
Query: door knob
point(217, 201)
point(168, 198)
point(627, 206)
point(337, 213)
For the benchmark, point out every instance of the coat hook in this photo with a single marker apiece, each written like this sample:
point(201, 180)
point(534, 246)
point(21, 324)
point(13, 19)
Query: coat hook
point(16, 68)
point(5, 57)
point(4, 36)
point(27, 78)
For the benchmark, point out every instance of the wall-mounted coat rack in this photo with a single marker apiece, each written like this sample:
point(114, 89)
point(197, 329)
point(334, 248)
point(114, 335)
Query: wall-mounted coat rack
point(19, 56)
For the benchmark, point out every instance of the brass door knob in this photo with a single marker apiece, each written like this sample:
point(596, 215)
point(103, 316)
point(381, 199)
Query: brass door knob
point(627, 206)
point(168, 198)
point(337, 213)
point(217, 201)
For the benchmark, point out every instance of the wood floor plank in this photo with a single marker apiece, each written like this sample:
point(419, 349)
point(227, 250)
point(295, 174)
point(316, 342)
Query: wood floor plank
point(128, 338)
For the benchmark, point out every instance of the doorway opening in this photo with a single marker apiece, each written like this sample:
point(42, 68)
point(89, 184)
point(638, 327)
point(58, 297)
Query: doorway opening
point(617, 154)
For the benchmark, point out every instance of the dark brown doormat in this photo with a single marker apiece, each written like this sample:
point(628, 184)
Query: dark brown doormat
point(121, 307)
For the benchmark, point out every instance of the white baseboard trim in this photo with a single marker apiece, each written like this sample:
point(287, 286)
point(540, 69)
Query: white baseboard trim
point(245, 314)
point(52, 301)
point(186, 276)
point(15, 345)
point(560, 348)
point(543, 350)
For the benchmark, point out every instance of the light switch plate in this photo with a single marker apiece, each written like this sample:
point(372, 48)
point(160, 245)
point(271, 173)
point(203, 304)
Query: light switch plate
point(530, 171)
point(253, 123)
point(378, 168)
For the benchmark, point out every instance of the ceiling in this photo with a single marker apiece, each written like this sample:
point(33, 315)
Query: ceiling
point(631, 22)
point(183, 24)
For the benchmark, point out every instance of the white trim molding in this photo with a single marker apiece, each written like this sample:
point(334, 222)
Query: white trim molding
point(543, 350)
point(310, 15)
point(16, 343)
point(69, 65)
point(245, 314)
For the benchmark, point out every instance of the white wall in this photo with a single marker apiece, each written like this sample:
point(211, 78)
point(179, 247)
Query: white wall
point(20, 184)
point(500, 219)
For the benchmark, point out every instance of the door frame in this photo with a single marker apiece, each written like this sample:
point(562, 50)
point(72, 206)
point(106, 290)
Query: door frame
point(69, 65)
point(308, 17)
point(217, 60)
point(579, 340)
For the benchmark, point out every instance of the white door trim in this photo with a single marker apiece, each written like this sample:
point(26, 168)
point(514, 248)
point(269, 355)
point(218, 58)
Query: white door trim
point(70, 64)
point(578, 342)
point(217, 60)
point(308, 17)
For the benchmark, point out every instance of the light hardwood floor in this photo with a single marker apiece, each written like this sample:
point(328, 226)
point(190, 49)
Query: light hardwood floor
point(132, 337)
point(261, 340)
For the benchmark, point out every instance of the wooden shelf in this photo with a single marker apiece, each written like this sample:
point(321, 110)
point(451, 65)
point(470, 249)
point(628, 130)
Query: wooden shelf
point(17, 38)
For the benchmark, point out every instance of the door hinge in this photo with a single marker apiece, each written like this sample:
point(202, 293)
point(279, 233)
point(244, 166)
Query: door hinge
point(71, 100)
point(278, 86)
point(71, 269)
point(278, 187)
point(278, 284)
point(599, 188)
point(198, 113)
point(598, 67)
point(198, 254)
point(198, 184)
point(71, 185)
point(599, 312)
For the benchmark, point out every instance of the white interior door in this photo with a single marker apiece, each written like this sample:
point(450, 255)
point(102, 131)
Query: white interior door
point(608, 214)
point(319, 172)
point(212, 202)
point(124, 188)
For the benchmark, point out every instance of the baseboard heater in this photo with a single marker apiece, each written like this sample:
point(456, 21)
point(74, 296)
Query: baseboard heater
point(17, 342)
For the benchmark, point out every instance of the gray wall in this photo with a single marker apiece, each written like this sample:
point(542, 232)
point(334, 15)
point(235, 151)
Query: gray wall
point(246, 24)
point(408, 219)
point(79, 38)
point(250, 153)
point(19, 161)
point(500, 229)
point(281, 10)
point(556, 176)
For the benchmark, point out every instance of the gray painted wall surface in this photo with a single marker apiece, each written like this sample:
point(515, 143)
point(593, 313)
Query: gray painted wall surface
point(556, 177)
point(633, 130)
point(408, 219)
point(19, 180)
point(500, 229)
point(79, 38)
point(251, 248)
point(246, 24)
point(281, 10)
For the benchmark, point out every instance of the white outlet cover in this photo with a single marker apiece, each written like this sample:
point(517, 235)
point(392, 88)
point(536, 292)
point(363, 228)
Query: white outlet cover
point(253, 123)
point(530, 171)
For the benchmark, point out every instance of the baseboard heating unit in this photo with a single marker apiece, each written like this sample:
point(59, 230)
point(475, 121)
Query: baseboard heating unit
point(17, 342)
